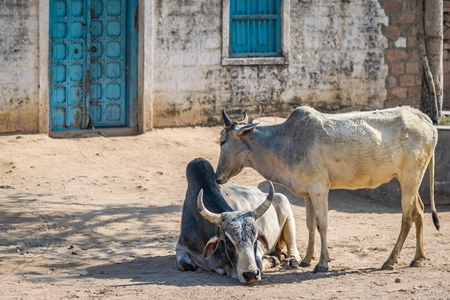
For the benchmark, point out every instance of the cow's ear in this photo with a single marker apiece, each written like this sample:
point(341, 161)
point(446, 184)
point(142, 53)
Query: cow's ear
point(211, 246)
point(246, 130)
point(262, 238)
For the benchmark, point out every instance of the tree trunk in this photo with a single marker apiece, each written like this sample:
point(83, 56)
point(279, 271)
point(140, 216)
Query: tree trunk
point(431, 57)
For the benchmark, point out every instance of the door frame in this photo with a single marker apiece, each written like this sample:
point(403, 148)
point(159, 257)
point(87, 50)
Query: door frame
point(144, 62)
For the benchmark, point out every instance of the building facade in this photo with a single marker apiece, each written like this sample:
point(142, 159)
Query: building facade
point(141, 64)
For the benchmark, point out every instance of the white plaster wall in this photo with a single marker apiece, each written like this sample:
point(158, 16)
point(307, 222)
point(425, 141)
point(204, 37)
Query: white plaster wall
point(19, 66)
point(336, 63)
point(338, 52)
point(43, 113)
point(146, 64)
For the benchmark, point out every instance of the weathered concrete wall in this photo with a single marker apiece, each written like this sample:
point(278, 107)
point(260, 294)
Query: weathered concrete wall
point(18, 65)
point(343, 55)
point(187, 53)
point(336, 63)
point(390, 192)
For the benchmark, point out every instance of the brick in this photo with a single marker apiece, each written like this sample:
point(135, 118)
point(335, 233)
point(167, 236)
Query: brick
point(412, 101)
point(403, 101)
point(406, 18)
point(412, 68)
point(391, 81)
point(411, 41)
point(415, 55)
point(396, 55)
point(396, 68)
point(407, 80)
point(414, 91)
point(398, 92)
point(392, 6)
point(418, 80)
point(392, 31)
point(447, 79)
point(393, 102)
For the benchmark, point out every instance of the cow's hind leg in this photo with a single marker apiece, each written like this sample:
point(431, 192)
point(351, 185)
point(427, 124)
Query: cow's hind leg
point(288, 238)
point(269, 261)
point(409, 215)
point(311, 225)
point(420, 254)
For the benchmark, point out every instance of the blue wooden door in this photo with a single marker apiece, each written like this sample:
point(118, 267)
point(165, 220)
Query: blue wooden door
point(93, 64)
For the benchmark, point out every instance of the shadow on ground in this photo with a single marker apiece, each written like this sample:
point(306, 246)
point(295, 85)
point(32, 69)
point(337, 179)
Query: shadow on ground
point(348, 201)
point(162, 270)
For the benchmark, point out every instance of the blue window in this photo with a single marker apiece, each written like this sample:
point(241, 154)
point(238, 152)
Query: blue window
point(255, 28)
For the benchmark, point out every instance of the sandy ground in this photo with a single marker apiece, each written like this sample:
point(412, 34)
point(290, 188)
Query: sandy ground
point(98, 218)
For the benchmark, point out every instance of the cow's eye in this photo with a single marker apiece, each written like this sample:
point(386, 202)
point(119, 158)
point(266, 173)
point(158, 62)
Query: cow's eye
point(231, 249)
point(221, 143)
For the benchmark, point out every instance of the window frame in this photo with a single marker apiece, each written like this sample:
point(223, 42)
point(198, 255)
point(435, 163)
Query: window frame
point(283, 59)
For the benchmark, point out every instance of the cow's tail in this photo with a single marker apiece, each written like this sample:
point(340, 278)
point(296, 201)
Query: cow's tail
point(433, 206)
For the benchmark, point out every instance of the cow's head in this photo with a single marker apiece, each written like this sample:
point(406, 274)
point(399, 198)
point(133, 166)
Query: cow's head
point(240, 237)
point(234, 150)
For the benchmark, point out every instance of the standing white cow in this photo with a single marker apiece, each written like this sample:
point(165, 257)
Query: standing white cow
point(311, 153)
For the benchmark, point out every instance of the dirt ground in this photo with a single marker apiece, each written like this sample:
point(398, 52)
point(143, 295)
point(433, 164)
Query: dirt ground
point(98, 218)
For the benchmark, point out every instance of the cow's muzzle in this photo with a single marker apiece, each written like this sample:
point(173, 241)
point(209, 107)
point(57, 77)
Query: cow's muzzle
point(251, 277)
point(220, 180)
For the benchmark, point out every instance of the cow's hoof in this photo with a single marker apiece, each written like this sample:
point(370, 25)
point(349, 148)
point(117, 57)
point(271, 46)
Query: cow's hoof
point(387, 267)
point(185, 266)
point(304, 264)
point(320, 269)
point(274, 261)
point(278, 255)
point(415, 264)
point(293, 262)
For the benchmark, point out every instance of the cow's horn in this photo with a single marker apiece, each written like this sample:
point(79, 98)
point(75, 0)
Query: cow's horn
point(260, 210)
point(209, 216)
point(245, 118)
point(226, 119)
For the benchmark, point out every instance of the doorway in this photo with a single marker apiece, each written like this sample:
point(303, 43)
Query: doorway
point(93, 64)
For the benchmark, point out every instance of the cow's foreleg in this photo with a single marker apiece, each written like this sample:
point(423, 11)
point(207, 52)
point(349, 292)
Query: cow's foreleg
point(420, 253)
point(184, 261)
point(311, 225)
point(319, 199)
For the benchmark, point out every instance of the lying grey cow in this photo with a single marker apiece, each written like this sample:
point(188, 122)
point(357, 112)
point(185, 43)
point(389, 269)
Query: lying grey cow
point(229, 228)
point(311, 153)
